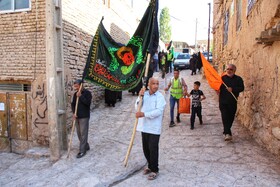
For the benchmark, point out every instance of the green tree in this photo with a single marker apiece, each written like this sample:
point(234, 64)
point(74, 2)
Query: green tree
point(164, 25)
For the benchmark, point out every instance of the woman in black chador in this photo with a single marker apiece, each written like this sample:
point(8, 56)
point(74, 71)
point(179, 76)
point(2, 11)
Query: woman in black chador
point(136, 89)
point(111, 97)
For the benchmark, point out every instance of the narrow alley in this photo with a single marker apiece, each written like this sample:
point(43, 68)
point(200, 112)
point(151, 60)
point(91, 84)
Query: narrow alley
point(194, 158)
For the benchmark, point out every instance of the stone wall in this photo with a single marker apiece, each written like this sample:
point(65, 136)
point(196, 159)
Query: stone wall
point(257, 64)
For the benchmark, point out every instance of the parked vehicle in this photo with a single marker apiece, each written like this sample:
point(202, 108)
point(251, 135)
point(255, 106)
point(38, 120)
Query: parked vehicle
point(205, 54)
point(182, 61)
point(186, 50)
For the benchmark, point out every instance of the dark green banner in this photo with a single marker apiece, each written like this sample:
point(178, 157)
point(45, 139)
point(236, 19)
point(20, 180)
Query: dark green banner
point(118, 67)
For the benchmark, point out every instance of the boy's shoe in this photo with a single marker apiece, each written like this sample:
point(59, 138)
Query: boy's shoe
point(192, 127)
point(200, 122)
point(178, 119)
point(172, 124)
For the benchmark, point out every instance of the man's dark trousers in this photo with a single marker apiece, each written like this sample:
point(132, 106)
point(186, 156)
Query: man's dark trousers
point(82, 125)
point(228, 113)
point(150, 147)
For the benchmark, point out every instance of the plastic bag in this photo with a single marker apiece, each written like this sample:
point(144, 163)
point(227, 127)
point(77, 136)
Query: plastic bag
point(184, 105)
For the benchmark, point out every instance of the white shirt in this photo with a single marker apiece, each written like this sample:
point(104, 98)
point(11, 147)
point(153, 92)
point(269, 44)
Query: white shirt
point(153, 108)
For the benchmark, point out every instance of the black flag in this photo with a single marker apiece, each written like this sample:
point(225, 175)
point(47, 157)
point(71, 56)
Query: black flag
point(118, 67)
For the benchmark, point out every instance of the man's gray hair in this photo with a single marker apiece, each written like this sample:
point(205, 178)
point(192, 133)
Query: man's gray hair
point(232, 65)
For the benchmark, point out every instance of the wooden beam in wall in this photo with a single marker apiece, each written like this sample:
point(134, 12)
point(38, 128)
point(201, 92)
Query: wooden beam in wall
point(269, 36)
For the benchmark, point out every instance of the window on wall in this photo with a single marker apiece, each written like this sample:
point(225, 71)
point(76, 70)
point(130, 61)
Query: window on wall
point(14, 5)
point(238, 14)
point(15, 87)
point(250, 5)
point(226, 22)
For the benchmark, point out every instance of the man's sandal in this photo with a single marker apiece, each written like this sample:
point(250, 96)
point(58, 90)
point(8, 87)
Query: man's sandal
point(152, 175)
point(146, 171)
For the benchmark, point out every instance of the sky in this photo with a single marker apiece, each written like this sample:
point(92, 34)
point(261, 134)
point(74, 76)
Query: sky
point(183, 19)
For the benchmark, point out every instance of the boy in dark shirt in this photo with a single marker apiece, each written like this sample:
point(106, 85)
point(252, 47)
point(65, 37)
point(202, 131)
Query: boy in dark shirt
point(197, 97)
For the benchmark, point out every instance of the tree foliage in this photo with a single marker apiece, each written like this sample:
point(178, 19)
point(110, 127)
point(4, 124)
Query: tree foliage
point(164, 25)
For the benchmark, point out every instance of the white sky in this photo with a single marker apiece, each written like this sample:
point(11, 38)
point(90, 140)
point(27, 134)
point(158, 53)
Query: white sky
point(183, 17)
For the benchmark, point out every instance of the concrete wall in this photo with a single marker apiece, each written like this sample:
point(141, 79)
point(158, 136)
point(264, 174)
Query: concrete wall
point(258, 64)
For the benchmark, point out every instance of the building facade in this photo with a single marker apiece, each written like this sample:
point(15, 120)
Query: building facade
point(37, 38)
point(247, 33)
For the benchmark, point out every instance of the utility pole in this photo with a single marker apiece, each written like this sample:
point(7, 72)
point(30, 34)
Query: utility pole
point(196, 35)
point(55, 79)
point(208, 46)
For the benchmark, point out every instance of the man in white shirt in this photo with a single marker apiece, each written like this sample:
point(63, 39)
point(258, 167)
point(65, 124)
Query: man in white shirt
point(150, 123)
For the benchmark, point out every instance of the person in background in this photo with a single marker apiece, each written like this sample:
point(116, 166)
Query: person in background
point(150, 124)
point(110, 97)
point(198, 62)
point(160, 54)
point(83, 115)
point(228, 102)
point(150, 73)
point(197, 97)
point(178, 89)
point(170, 58)
point(155, 61)
point(163, 66)
point(193, 65)
point(136, 89)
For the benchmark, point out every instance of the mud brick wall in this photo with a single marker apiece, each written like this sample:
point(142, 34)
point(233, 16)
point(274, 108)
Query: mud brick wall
point(258, 64)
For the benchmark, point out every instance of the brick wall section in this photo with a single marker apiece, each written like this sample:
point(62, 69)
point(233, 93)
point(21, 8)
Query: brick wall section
point(23, 59)
point(80, 22)
point(22, 43)
point(258, 106)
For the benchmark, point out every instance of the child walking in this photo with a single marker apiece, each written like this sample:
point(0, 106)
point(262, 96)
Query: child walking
point(197, 97)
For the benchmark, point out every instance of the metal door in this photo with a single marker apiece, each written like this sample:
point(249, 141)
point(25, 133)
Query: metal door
point(3, 116)
point(13, 117)
point(17, 116)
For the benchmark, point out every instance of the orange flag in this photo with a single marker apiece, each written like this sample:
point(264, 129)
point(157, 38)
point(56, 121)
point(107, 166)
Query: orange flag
point(212, 76)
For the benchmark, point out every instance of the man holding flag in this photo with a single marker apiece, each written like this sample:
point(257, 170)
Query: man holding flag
point(232, 86)
point(228, 87)
point(81, 115)
point(118, 67)
point(150, 124)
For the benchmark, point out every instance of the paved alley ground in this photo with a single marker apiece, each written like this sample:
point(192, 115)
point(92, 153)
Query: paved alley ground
point(188, 158)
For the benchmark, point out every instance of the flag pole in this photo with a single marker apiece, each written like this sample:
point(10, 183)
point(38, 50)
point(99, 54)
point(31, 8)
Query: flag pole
point(73, 123)
point(210, 67)
point(230, 92)
point(138, 110)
